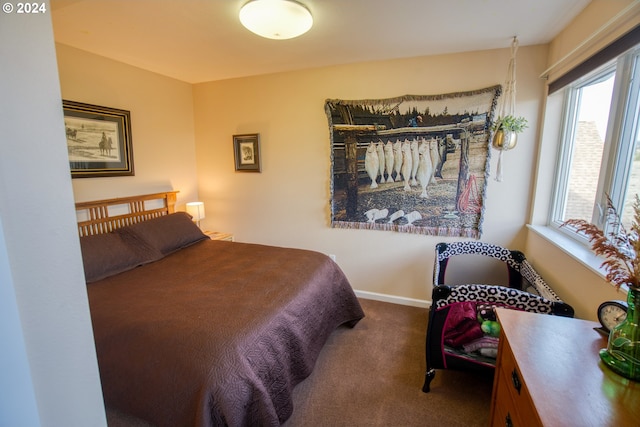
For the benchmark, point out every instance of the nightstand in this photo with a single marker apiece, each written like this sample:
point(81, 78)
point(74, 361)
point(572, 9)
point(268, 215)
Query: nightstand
point(216, 235)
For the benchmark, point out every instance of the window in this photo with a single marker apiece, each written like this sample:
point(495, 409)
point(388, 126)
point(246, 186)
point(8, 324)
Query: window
point(599, 152)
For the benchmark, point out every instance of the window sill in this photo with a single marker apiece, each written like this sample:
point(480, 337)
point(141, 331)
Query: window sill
point(574, 249)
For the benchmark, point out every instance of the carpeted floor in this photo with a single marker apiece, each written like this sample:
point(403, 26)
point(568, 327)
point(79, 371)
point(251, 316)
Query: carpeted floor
point(372, 375)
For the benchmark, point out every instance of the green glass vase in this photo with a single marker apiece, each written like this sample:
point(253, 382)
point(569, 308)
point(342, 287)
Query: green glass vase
point(622, 354)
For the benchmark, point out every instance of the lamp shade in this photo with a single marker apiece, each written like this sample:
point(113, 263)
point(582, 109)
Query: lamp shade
point(276, 19)
point(196, 210)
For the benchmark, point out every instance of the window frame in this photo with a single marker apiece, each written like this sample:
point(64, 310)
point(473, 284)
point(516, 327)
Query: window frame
point(619, 143)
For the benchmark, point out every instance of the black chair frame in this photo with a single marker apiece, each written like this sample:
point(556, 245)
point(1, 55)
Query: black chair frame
point(526, 291)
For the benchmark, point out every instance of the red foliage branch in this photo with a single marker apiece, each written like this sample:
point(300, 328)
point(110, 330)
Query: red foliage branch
point(620, 247)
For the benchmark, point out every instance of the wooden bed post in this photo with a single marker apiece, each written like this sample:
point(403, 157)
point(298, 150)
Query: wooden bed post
point(171, 201)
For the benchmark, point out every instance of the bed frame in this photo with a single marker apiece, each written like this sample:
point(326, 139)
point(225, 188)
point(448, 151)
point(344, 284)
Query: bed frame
point(105, 216)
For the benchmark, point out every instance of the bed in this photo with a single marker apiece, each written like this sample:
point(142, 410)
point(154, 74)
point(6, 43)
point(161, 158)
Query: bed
point(191, 331)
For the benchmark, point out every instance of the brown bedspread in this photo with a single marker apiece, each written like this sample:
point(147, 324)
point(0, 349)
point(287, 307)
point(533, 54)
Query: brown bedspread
point(217, 333)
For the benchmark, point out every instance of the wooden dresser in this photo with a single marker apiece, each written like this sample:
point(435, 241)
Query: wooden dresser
point(554, 363)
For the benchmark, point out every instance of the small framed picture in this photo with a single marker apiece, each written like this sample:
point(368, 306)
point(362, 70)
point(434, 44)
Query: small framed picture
point(98, 140)
point(246, 149)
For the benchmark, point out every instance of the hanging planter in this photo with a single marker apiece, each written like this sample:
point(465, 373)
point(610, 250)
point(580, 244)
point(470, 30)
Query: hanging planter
point(504, 140)
point(506, 130)
point(507, 126)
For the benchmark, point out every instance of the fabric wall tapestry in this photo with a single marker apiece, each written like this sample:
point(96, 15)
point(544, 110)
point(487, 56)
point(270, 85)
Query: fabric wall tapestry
point(415, 164)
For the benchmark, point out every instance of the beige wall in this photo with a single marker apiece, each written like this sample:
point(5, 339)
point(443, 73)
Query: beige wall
point(288, 203)
point(161, 124)
point(48, 368)
point(579, 285)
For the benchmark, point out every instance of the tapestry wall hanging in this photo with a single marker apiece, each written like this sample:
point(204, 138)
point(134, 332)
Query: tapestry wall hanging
point(415, 164)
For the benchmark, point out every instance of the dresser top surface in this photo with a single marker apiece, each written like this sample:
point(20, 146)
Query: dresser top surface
point(560, 365)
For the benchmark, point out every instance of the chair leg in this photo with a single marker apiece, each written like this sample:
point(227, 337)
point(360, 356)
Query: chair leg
point(428, 377)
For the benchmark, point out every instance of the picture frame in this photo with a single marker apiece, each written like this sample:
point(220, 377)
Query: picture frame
point(98, 140)
point(246, 150)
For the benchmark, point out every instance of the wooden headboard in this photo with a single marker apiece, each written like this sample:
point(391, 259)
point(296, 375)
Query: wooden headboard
point(104, 216)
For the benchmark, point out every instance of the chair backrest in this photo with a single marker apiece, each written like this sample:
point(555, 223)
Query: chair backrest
point(445, 251)
point(518, 266)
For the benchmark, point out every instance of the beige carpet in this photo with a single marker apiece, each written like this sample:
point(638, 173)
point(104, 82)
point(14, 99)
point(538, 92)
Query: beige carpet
point(372, 375)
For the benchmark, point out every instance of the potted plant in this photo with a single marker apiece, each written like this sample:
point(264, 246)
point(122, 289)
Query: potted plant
point(505, 131)
point(621, 250)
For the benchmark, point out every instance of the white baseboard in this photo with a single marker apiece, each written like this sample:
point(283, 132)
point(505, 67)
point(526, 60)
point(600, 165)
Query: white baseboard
point(393, 299)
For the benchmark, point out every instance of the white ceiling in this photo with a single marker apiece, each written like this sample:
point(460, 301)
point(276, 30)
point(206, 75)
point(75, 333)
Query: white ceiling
point(203, 40)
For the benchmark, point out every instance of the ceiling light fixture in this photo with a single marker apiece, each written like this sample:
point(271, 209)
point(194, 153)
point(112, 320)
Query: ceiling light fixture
point(276, 19)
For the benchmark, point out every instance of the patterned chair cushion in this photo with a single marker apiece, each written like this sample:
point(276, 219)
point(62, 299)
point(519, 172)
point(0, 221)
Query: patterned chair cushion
point(498, 295)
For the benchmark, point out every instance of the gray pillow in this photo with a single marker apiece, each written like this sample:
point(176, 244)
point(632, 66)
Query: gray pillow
point(168, 233)
point(104, 255)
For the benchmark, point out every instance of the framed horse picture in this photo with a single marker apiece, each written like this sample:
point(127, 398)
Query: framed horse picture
point(98, 140)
